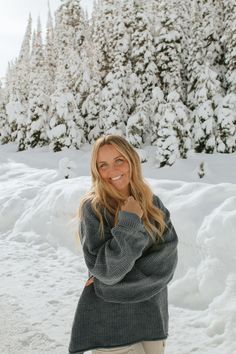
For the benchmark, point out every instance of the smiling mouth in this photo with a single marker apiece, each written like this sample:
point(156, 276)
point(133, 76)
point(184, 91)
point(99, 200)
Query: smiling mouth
point(116, 178)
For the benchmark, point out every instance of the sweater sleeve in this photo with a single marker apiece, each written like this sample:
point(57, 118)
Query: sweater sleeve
point(151, 272)
point(110, 260)
point(162, 256)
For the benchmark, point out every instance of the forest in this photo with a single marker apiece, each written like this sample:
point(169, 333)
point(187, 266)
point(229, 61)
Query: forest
point(157, 72)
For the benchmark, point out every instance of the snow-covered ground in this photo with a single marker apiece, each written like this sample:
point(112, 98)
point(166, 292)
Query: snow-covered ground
point(42, 268)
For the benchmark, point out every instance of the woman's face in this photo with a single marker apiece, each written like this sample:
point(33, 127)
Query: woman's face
point(114, 168)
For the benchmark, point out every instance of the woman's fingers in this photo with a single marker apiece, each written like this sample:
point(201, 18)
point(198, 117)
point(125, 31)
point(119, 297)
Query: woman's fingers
point(133, 206)
point(89, 281)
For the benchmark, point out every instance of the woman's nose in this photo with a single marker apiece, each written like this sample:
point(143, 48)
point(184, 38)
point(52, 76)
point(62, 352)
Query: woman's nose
point(112, 167)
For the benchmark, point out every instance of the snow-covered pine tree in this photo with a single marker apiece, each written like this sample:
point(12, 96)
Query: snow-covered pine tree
point(226, 115)
point(182, 11)
point(142, 56)
point(4, 126)
point(103, 17)
point(17, 88)
point(212, 29)
point(91, 106)
point(143, 78)
point(114, 96)
point(207, 96)
point(72, 78)
point(195, 50)
point(137, 129)
point(157, 109)
point(168, 50)
point(22, 72)
point(14, 108)
point(39, 93)
point(226, 139)
point(50, 52)
point(134, 85)
point(170, 62)
point(166, 141)
point(229, 40)
point(23, 67)
point(181, 122)
point(171, 127)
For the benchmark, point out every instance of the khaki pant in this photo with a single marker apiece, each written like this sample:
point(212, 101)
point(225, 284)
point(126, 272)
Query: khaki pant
point(146, 347)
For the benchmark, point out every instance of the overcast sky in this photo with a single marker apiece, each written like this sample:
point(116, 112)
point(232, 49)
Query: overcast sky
point(13, 21)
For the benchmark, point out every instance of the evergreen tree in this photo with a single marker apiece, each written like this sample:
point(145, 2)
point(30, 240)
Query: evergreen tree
point(144, 69)
point(23, 72)
point(212, 30)
point(182, 11)
point(50, 53)
point(196, 53)
point(72, 78)
point(143, 76)
point(134, 86)
point(23, 65)
point(114, 101)
point(229, 40)
point(207, 96)
point(226, 115)
point(4, 126)
point(39, 91)
point(167, 142)
point(137, 128)
point(171, 133)
point(213, 18)
point(168, 51)
point(92, 105)
point(156, 109)
point(17, 87)
point(14, 108)
point(91, 108)
point(103, 18)
point(181, 122)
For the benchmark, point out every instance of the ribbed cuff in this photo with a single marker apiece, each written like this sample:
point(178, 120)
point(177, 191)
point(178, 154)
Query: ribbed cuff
point(128, 219)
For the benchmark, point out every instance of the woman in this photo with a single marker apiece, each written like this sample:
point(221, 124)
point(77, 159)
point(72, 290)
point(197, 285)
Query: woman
point(130, 249)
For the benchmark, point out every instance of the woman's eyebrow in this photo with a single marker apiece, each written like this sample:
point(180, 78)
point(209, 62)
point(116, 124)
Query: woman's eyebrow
point(113, 159)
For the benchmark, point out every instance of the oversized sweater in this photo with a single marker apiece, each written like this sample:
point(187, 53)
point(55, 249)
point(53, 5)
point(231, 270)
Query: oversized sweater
point(127, 302)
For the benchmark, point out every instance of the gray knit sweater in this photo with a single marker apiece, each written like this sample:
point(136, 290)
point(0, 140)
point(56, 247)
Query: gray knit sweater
point(127, 302)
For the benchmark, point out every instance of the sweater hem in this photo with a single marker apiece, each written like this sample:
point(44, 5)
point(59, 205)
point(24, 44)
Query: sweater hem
point(137, 299)
point(82, 351)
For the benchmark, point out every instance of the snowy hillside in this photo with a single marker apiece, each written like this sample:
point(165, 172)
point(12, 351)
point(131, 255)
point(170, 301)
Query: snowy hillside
point(42, 268)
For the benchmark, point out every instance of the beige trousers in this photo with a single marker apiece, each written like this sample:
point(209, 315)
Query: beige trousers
point(146, 347)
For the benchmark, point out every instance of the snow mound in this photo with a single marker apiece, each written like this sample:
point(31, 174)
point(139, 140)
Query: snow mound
point(53, 212)
point(211, 247)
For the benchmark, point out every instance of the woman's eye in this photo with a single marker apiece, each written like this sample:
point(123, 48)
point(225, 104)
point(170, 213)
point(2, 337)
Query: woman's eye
point(119, 161)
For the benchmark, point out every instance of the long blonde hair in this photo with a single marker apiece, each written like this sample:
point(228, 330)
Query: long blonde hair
point(104, 195)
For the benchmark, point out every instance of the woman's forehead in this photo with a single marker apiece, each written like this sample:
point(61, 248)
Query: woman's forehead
point(107, 151)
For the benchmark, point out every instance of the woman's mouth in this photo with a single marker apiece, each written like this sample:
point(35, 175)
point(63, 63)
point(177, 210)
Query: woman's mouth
point(116, 178)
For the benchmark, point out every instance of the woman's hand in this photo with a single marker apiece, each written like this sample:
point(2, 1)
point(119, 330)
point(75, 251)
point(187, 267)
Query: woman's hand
point(89, 281)
point(131, 205)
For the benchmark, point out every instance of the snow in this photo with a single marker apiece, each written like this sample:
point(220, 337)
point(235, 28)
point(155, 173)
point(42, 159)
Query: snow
point(42, 268)
point(15, 112)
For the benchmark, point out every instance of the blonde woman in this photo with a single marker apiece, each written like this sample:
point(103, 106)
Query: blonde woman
point(130, 250)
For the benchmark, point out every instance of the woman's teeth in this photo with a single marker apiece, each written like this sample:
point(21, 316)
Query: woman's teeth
point(116, 178)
